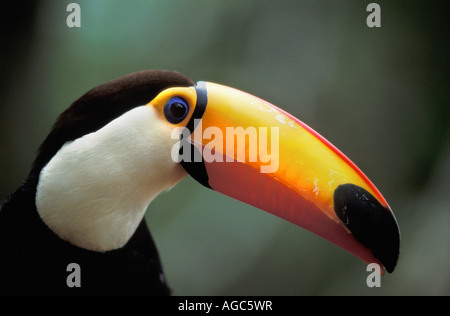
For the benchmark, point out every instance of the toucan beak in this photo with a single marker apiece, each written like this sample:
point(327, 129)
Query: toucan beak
point(251, 150)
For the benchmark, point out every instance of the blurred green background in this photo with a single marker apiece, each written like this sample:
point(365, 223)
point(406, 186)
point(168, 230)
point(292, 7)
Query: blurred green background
point(381, 95)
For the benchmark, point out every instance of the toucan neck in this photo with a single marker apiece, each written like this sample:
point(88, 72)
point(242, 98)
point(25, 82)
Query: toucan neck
point(94, 192)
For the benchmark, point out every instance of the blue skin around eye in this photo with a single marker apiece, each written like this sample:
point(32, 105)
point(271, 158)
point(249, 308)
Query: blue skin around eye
point(168, 113)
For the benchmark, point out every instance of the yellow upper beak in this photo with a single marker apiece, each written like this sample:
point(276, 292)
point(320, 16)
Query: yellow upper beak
point(263, 156)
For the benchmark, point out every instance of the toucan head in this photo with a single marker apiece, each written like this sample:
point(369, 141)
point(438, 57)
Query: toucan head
point(229, 141)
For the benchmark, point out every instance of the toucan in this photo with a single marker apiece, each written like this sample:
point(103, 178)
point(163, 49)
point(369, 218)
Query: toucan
point(124, 142)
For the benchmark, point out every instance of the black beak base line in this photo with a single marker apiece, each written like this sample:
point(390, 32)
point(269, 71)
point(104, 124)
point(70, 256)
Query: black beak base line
point(371, 223)
point(196, 167)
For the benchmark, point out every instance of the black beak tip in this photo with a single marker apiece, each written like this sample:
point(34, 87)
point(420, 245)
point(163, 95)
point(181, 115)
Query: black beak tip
point(371, 223)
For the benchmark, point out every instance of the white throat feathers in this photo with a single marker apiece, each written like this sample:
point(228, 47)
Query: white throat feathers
point(94, 192)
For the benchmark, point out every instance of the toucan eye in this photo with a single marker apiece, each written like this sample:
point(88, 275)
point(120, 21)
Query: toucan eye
point(176, 110)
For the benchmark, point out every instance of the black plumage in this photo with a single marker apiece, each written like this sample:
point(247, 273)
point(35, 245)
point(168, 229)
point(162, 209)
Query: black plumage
point(33, 260)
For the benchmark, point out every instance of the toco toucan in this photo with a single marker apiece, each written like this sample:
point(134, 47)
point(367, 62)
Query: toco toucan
point(122, 143)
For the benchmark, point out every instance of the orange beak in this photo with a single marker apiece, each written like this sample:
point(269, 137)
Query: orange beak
point(250, 150)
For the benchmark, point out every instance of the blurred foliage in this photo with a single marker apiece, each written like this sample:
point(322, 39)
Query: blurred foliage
point(380, 95)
